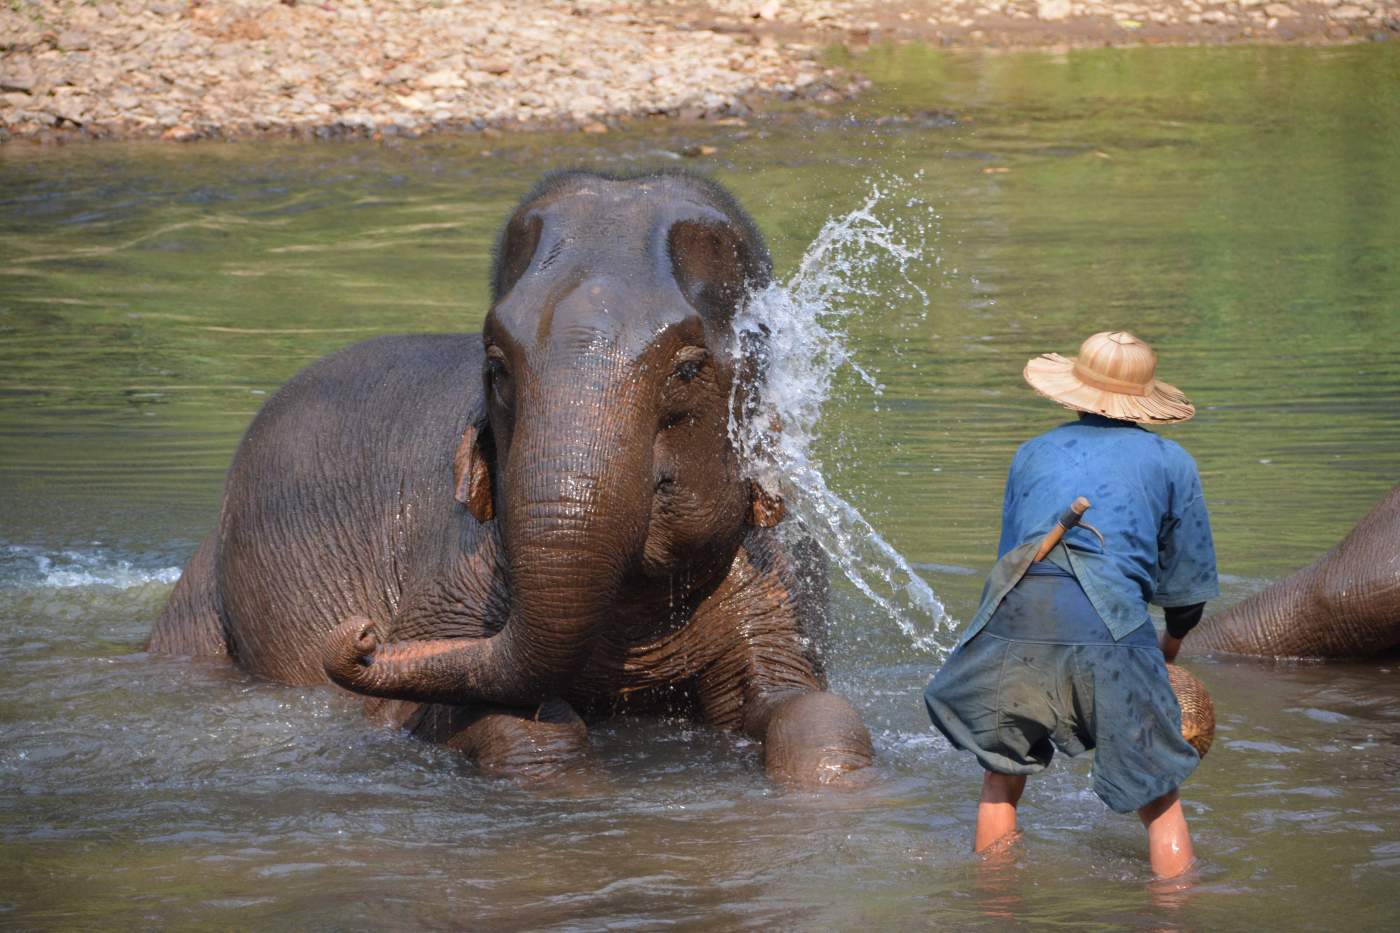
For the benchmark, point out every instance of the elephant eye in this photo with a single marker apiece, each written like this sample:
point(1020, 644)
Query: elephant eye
point(495, 362)
point(688, 363)
point(498, 376)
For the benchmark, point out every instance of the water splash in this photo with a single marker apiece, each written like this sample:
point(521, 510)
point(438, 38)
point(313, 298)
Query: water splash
point(799, 329)
point(31, 568)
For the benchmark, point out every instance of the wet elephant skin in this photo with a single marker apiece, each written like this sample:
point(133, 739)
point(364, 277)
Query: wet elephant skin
point(499, 536)
point(1345, 605)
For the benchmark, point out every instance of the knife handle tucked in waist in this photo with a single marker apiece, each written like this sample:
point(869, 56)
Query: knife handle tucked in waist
point(1065, 522)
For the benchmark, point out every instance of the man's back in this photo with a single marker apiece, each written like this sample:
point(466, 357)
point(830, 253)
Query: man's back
point(1146, 501)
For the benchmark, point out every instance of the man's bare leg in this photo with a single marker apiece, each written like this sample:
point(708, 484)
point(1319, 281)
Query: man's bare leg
point(996, 810)
point(1168, 839)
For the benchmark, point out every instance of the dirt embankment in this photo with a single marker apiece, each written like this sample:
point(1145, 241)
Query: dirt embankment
point(191, 69)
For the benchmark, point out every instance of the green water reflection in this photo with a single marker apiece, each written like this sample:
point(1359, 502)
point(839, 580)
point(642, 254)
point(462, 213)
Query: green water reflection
point(1238, 207)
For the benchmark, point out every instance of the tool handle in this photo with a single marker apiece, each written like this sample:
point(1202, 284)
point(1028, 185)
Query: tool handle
point(1066, 521)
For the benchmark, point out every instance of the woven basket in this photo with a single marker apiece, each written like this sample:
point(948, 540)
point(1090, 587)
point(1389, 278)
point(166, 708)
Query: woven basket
point(1197, 712)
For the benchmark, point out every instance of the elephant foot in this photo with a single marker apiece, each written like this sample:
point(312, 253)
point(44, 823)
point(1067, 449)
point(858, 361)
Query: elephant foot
point(510, 742)
point(816, 739)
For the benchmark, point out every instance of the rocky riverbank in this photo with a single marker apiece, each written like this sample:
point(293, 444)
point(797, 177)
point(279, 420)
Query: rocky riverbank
point(190, 69)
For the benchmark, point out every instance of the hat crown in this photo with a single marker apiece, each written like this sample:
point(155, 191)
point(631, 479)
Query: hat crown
point(1115, 375)
point(1117, 360)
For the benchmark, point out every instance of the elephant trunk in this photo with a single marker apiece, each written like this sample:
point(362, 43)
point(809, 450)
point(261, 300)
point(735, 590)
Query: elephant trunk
point(438, 671)
point(574, 502)
point(1263, 624)
point(1345, 605)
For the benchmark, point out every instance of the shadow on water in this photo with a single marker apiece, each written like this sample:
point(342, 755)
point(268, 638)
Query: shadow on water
point(1240, 208)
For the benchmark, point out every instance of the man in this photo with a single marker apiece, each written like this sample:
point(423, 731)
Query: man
point(1062, 652)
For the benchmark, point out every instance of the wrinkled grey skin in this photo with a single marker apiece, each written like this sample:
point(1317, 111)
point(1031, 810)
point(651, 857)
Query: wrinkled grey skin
point(1346, 605)
point(499, 535)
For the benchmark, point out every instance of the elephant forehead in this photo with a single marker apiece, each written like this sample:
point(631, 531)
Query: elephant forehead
point(632, 205)
point(616, 228)
point(591, 314)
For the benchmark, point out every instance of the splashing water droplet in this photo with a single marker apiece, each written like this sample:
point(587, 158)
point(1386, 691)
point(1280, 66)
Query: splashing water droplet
point(30, 567)
point(798, 330)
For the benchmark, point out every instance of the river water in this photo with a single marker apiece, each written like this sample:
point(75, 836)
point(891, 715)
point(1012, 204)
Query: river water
point(1238, 207)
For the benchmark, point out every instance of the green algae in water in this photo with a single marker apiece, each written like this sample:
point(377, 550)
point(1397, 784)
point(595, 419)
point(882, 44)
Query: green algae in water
point(1238, 207)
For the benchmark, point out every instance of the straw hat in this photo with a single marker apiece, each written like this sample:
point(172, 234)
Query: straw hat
point(1114, 376)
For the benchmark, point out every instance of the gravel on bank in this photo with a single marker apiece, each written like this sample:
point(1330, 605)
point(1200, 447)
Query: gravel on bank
point(190, 69)
point(1016, 24)
point(183, 70)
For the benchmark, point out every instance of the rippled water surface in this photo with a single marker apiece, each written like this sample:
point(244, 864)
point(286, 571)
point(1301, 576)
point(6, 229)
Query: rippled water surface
point(1240, 208)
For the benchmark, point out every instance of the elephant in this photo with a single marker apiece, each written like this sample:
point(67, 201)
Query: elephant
point(1345, 605)
point(497, 537)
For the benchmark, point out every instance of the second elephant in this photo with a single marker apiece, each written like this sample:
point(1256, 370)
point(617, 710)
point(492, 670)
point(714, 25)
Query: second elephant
point(1345, 605)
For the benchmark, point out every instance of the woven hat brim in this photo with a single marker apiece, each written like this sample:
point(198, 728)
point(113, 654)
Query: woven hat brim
point(1053, 376)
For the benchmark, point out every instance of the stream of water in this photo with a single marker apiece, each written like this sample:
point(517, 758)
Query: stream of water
point(857, 261)
point(1240, 208)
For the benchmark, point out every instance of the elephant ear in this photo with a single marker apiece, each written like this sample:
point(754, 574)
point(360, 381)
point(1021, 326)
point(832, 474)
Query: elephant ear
point(515, 249)
point(714, 264)
point(717, 262)
point(471, 472)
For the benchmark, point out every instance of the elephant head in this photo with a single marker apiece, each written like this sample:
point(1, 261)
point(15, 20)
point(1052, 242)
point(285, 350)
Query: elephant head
point(1345, 605)
point(604, 454)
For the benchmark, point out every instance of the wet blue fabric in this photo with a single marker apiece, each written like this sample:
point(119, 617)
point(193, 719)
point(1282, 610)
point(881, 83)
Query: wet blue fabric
point(1146, 500)
point(1046, 673)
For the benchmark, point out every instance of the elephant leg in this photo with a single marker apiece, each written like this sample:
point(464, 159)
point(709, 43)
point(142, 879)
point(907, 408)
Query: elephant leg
point(766, 680)
point(810, 737)
point(192, 622)
point(513, 742)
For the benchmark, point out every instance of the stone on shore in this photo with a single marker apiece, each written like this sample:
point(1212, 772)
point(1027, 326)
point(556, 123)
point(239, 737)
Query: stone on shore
point(187, 69)
point(17, 81)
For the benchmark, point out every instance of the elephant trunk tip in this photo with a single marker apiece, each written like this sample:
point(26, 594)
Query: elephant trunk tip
point(366, 638)
point(348, 649)
point(357, 656)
